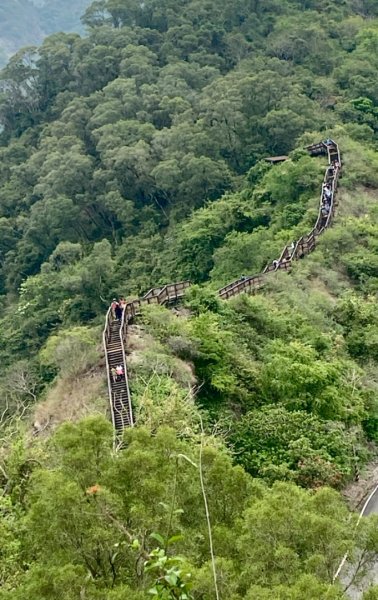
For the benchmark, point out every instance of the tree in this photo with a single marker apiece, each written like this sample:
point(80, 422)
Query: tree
point(299, 379)
point(282, 560)
point(274, 443)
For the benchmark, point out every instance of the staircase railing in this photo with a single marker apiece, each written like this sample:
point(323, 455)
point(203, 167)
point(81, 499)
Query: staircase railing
point(163, 295)
point(248, 284)
point(105, 341)
point(306, 243)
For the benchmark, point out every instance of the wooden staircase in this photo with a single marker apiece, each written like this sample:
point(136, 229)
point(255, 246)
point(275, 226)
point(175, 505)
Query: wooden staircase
point(114, 341)
point(119, 389)
point(119, 393)
point(114, 335)
point(306, 243)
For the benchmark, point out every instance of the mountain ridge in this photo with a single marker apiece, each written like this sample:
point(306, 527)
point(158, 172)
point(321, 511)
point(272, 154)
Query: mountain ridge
point(133, 156)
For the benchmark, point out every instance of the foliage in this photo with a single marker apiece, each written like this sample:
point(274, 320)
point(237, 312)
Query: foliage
point(72, 351)
point(275, 443)
point(88, 518)
point(134, 156)
point(171, 583)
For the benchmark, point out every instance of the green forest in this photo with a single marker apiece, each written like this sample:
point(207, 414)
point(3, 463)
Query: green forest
point(132, 157)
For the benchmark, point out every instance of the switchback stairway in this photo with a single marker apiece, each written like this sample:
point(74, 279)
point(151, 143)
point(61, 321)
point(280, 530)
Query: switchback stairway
point(114, 341)
point(115, 332)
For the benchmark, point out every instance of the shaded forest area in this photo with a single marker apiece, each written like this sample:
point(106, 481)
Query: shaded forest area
point(135, 156)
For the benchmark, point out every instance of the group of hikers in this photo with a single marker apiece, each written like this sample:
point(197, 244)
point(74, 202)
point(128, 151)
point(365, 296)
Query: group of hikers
point(326, 203)
point(287, 256)
point(118, 373)
point(118, 306)
point(326, 199)
point(327, 192)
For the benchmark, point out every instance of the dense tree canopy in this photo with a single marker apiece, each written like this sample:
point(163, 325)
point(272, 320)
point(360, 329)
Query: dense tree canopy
point(89, 522)
point(132, 156)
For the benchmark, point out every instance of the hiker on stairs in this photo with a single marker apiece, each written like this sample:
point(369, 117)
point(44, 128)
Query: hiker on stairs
point(118, 312)
point(114, 305)
point(120, 373)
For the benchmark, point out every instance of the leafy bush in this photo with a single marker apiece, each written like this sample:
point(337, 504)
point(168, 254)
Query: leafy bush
point(72, 351)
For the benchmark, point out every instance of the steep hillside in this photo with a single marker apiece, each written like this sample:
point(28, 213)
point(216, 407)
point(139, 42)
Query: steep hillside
point(133, 157)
